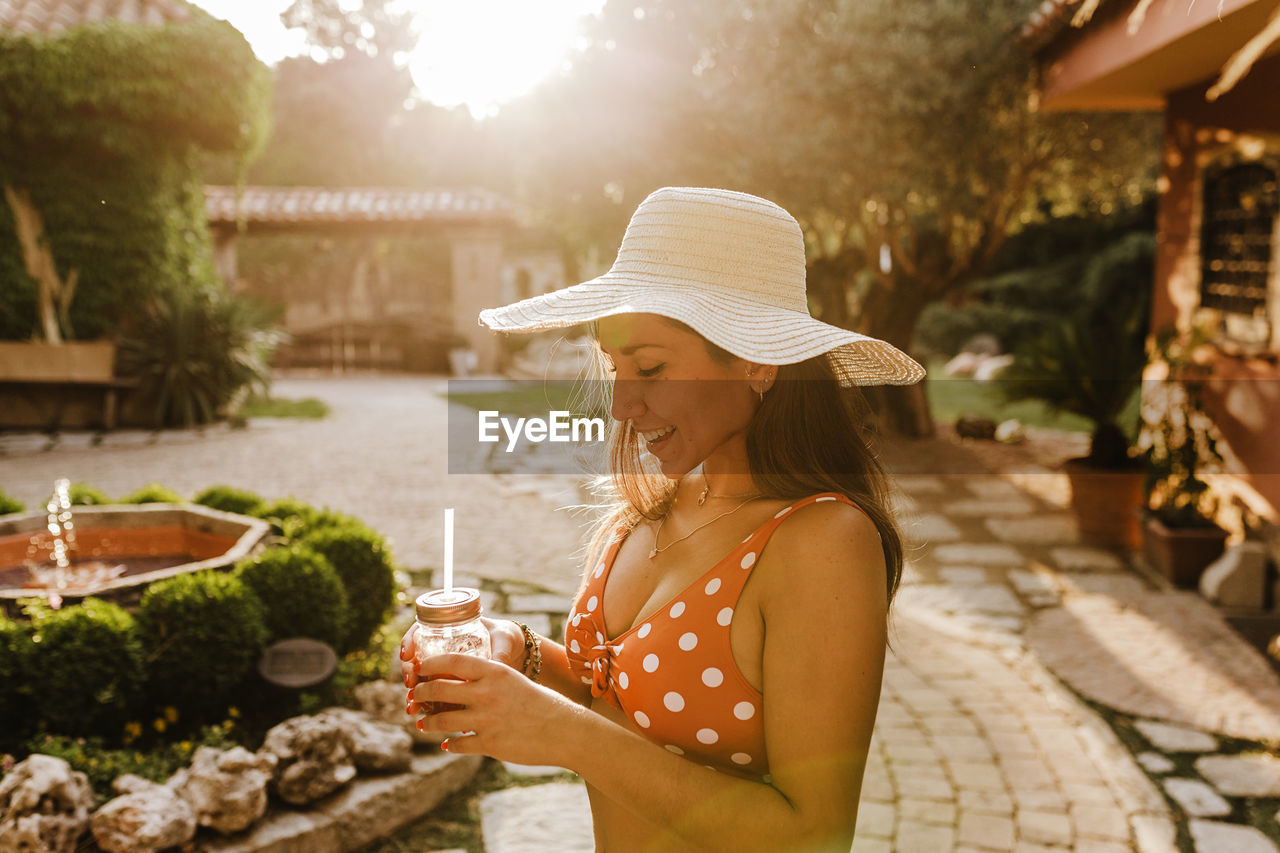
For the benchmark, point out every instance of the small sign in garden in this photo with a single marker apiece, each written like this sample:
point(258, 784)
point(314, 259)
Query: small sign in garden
point(298, 662)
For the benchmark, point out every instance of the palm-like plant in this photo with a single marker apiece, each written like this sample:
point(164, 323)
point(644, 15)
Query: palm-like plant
point(196, 351)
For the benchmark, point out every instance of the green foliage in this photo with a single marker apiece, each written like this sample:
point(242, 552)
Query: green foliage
point(83, 494)
point(229, 499)
point(153, 493)
point(90, 667)
point(195, 349)
point(8, 504)
point(102, 763)
point(16, 653)
point(301, 592)
point(293, 519)
point(362, 561)
point(309, 408)
point(202, 634)
point(1090, 364)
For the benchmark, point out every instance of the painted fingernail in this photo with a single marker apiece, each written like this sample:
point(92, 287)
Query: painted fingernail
point(444, 744)
point(419, 724)
point(406, 680)
point(404, 653)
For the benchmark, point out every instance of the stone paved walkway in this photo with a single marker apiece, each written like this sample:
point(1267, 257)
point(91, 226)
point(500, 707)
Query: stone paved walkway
point(1041, 695)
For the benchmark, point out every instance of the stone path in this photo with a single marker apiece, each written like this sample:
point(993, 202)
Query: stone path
point(1041, 695)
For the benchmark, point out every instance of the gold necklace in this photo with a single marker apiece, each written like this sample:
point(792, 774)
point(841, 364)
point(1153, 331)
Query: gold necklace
point(655, 551)
point(706, 493)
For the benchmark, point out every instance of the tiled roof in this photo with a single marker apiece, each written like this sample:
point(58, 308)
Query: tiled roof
point(52, 17)
point(1050, 18)
point(323, 205)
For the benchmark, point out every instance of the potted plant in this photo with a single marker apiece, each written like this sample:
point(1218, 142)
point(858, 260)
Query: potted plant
point(1179, 443)
point(1091, 365)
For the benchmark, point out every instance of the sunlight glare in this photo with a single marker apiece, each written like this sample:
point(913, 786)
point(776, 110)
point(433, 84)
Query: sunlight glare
point(482, 53)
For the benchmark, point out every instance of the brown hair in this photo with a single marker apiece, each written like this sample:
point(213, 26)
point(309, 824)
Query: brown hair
point(809, 435)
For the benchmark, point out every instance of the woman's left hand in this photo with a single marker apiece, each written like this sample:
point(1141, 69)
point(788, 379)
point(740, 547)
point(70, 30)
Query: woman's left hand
point(508, 717)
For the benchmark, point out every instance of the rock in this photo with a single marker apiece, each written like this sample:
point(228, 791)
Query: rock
point(962, 365)
point(385, 701)
point(1211, 836)
point(1196, 798)
point(976, 426)
point(226, 790)
point(1154, 762)
point(313, 758)
point(983, 343)
point(1238, 578)
point(1011, 432)
point(1176, 738)
point(44, 806)
point(554, 816)
point(128, 783)
point(150, 820)
point(1245, 775)
point(990, 367)
point(375, 745)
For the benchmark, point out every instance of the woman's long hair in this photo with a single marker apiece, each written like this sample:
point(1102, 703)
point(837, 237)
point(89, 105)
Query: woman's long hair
point(808, 435)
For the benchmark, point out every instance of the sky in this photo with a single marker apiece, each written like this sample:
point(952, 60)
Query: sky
point(477, 53)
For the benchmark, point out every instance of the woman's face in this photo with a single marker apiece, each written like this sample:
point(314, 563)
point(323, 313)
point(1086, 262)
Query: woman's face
point(686, 405)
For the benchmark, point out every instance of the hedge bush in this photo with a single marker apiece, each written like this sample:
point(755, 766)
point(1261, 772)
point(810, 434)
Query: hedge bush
point(202, 634)
point(16, 650)
point(363, 563)
point(82, 494)
point(8, 505)
point(301, 593)
point(228, 499)
point(90, 668)
point(293, 519)
point(153, 493)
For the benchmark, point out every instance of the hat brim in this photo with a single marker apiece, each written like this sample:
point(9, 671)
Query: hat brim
point(752, 330)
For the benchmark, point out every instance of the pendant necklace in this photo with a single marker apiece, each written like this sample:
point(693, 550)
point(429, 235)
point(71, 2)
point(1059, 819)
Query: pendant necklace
point(655, 551)
point(706, 493)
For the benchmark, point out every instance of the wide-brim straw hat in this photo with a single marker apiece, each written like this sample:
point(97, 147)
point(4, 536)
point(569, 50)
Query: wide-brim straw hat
point(730, 266)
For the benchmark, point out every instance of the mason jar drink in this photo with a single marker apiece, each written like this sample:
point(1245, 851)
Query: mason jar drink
point(449, 623)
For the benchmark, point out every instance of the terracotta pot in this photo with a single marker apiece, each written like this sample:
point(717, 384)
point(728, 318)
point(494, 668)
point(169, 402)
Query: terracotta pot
point(1107, 504)
point(1181, 554)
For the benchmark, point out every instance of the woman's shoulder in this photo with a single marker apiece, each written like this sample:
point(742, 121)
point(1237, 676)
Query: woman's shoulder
point(827, 534)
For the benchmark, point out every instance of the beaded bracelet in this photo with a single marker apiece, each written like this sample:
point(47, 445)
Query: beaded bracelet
point(532, 653)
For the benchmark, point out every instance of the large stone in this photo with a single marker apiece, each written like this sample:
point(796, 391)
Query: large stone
point(1176, 738)
point(979, 553)
point(375, 745)
point(1196, 798)
point(555, 816)
point(1082, 558)
point(1211, 836)
point(147, 821)
point(227, 791)
point(385, 701)
point(1238, 578)
point(1247, 775)
point(44, 806)
point(313, 758)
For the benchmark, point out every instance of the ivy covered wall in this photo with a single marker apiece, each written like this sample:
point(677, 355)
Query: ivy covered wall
point(105, 126)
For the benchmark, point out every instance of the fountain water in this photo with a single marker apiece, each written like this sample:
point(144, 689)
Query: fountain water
point(115, 551)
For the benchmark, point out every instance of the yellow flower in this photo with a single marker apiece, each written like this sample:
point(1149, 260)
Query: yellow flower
point(132, 731)
point(233, 712)
point(171, 714)
point(159, 724)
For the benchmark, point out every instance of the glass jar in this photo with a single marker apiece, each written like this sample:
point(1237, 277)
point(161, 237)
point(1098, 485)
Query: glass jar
point(449, 623)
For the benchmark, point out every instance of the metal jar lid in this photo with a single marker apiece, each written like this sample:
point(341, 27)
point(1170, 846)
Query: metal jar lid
point(448, 607)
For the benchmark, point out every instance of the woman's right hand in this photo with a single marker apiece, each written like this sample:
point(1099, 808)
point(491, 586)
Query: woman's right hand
point(505, 638)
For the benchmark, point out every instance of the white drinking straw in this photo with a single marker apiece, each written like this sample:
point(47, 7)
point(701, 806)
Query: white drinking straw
point(448, 551)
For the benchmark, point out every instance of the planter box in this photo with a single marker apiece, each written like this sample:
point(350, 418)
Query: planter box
point(76, 361)
point(1181, 554)
point(52, 386)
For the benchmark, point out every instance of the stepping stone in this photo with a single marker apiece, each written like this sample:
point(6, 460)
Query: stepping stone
point(1211, 836)
point(986, 598)
point(1110, 585)
point(1168, 738)
point(532, 770)
point(963, 574)
point(930, 527)
point(1037, 588)
point(1081, 558)
point(1035, 530)
point(537, 818)
point(991, 506)
point(545, 603)
point(1246, 775)
point(1154, 762)
point(920, 485)
point(987, 487)
point(981, 554)
point(1196, 798)
point(539, 623)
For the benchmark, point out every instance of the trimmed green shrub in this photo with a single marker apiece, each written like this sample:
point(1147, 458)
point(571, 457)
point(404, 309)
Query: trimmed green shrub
point(82, 494)
point(153, 493)
point(88, 668)
point(8, 505)
point(228, 499)
point(202, 634)
point(16, 650)
point(301, 593)
point(362, 561)
point(294, 519)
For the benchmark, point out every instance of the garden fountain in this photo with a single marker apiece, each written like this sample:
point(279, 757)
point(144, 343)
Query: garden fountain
point(115, 552)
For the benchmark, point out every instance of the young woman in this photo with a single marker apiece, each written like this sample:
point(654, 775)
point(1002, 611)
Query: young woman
point(721, 669)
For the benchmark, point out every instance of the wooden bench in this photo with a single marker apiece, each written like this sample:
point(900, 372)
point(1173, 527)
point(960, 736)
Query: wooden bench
point(49, 377)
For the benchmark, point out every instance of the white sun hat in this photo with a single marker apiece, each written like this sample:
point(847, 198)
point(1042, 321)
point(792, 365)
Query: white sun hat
point(730, 266)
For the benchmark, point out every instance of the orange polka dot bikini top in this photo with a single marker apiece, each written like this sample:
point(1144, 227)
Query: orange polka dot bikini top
point(674, 674)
